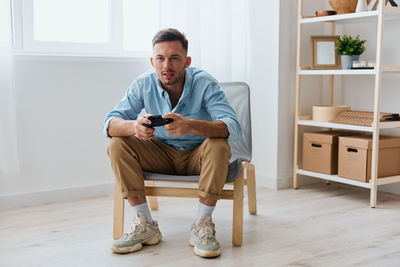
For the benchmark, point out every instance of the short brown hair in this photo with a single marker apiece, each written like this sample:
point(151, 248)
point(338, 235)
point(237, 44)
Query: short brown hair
point(171, 35)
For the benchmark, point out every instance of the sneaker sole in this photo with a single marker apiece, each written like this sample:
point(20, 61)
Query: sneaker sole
point(204, 253)
point(151, 241)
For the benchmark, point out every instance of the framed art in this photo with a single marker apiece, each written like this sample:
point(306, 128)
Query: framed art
point(323, 52)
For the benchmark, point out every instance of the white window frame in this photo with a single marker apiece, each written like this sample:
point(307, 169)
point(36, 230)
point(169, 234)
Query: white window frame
point(24, 42)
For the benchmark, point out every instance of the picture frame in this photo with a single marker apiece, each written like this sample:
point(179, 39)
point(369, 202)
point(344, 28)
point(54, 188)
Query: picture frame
point(323, 52)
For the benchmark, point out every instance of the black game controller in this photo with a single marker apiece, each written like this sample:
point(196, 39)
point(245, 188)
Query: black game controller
point(157, 120)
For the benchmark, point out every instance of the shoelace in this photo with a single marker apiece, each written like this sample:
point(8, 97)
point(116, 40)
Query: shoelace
point(134, 229)
point(207, 231)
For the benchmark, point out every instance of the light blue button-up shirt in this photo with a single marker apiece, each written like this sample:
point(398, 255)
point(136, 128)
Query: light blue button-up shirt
point(201, 99)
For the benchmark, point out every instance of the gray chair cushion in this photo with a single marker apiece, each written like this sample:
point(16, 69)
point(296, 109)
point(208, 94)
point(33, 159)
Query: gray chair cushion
point(238, 95)
point(233, 173)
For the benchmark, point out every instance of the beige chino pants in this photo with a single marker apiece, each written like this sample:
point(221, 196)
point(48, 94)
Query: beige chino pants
point(130, 155)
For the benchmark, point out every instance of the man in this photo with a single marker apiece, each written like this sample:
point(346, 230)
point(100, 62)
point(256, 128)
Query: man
point(194, 143)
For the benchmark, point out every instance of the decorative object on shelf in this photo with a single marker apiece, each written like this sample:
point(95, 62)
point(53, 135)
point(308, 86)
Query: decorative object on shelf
point(373, 4)
point(371, 64)
point(343, 6)
point(359, 64)
point(363, 118)
point(361, 6)
point(323, 52)
point(394, 3)
point(350, 49)
point(363, 64)
point(325, 113)
point(321, 13)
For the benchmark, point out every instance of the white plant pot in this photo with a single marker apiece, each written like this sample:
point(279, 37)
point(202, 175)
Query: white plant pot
point(347, 62)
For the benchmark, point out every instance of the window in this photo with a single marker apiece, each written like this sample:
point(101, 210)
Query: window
point(113, 27)
point(71, 21)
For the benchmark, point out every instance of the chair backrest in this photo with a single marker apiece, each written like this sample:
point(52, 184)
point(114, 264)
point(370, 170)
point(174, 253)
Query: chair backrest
point(238, 94)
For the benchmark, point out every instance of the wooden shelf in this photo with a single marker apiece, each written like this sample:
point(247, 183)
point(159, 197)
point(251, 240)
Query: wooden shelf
point(333, 178)
point(391, 68)
point(338, 72)
point(389, 125)
point(388, 180)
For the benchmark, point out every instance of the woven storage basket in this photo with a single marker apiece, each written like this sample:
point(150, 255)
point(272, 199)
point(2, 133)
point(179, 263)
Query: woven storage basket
point(362, 118)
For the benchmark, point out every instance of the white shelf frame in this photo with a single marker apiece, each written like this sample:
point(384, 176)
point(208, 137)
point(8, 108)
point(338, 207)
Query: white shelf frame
point(384, 69)
point(382, 125)
point(390, 13)
point(335, 125)
point(336, 178)
point(333, 178)
point(338, 72)
point(368, 16)
point(379, 16)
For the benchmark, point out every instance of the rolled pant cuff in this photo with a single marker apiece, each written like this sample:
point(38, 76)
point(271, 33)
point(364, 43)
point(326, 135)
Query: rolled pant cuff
point(204, 194)
point(133, 193)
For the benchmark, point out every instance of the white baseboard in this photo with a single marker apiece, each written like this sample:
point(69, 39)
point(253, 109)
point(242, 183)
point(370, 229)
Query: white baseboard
point(283, 182)
point(12, 201)
point(273, 182)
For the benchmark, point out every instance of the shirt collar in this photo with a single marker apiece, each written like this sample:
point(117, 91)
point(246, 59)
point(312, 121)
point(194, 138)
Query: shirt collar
point(186, 87)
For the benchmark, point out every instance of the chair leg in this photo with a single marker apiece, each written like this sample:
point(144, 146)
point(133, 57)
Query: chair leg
point(237, 229)
point(153, 202)
point(118, 226)
point(251, 188)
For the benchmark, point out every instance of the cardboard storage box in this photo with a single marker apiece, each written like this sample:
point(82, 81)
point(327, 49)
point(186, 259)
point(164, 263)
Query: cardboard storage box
point(320, 151)
point(355, 157)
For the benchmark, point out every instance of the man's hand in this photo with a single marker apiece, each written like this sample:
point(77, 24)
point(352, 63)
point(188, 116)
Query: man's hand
point(179, 126)
point(141, 131)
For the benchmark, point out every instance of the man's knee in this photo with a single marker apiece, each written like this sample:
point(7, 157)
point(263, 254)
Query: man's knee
point(217, 146)
point(115, 146)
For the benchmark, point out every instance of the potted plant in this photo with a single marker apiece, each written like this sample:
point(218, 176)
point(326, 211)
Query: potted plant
point(350, 49)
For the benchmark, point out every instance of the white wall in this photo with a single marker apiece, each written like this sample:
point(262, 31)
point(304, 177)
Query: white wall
point(273, 81)
point(263, 81)
point(61, 104)
point(287, 92)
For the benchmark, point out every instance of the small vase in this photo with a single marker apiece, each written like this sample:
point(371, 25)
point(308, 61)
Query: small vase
point(361, 6)
point(347, 62)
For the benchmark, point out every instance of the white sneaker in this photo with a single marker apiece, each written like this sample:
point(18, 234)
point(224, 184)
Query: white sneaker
point(202, 238)
point(139, 232)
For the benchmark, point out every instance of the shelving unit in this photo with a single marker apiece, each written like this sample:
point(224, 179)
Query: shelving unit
point(381, 15)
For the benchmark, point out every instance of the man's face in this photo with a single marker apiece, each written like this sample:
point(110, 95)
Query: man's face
point(169, 61)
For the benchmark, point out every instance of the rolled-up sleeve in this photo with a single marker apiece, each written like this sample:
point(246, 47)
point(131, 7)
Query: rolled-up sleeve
point(219, 108)
point(128, 108)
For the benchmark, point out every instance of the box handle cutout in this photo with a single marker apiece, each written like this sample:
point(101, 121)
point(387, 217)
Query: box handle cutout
point(352, 150)
point(316, 145)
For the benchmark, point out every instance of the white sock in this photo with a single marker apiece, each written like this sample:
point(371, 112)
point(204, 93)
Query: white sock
point(143, 208)
point(204, 210)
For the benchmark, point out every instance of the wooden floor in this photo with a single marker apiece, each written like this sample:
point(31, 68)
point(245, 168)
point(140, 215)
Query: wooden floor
point(317, 225)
